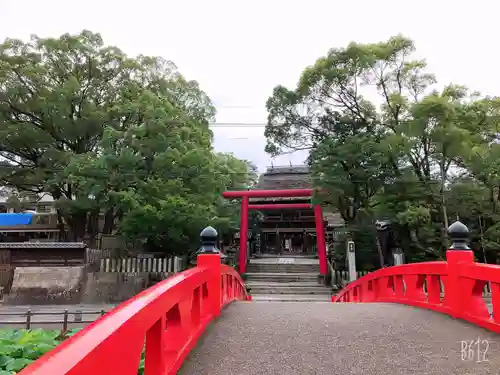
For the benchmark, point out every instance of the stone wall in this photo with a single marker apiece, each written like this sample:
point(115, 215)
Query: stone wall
point(45, 285)
point(75, 285)
point(113, 287)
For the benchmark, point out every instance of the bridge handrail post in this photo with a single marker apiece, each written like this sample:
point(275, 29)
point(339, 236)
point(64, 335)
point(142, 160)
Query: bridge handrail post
point(459, 253)
point(209, 258)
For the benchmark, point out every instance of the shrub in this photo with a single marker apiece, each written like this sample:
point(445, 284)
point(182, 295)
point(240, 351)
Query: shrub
point(18, 348)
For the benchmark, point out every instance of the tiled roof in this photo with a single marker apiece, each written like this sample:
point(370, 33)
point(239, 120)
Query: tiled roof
point(285, 177)
point(42, 245)
point(287, 169)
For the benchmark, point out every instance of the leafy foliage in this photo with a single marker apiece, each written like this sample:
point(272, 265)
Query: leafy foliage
point(385, 143)
point(18, 348)
point(109, 134)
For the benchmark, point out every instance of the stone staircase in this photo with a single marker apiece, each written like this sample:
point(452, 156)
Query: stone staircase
point(292, 279)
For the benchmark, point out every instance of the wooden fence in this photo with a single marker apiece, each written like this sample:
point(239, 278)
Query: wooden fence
point(340, 278)
point(159, 265)
point(94, 256)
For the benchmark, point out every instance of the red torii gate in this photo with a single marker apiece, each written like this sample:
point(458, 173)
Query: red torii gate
point(245, 206)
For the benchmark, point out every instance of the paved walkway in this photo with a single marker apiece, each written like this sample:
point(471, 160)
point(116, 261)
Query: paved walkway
point(323, 338)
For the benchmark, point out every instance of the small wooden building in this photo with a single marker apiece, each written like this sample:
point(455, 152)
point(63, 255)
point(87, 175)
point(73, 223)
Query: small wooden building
point(28, 226)
point(39, 254)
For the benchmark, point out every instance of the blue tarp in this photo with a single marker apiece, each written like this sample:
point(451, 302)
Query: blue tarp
point(8, 220)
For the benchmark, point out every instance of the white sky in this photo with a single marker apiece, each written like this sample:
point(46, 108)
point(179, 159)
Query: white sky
point(239, 50)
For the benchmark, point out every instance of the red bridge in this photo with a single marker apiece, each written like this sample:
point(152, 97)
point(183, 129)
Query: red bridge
point(396, 320)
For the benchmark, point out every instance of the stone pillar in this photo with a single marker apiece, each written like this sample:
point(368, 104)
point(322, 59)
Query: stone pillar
point(351, 260)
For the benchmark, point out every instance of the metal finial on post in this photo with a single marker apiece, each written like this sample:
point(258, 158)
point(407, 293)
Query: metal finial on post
point(459, 235)
point(209, 240)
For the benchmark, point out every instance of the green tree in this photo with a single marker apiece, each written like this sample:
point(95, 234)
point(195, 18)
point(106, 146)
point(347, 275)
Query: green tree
point(383, 142)
point(238, 175)
point(163, 180)
point(60, 96)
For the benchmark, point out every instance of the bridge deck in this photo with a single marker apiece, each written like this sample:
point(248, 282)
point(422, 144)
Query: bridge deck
point(325, 338)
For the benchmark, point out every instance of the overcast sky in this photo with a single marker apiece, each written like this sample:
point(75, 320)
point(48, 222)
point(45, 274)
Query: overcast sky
point(239, 50)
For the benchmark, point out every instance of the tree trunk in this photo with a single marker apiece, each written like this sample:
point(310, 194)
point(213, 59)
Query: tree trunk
point(78, 225)
point(380, 252)
point(63, 235)
point(93, 224)
point(109, 221)
point(444, 238)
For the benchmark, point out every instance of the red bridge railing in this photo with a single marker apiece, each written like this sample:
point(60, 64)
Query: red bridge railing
point(421, 284)
point(167, 319)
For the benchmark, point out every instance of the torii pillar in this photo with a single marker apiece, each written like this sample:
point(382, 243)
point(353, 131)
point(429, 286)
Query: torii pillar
point(243, 234)
point(320, 239)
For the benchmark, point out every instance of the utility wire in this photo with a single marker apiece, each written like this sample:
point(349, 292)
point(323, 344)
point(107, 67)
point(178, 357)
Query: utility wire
point(238, 106)
point(237, 124)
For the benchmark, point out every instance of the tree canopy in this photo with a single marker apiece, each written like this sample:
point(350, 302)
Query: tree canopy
point(125, 139)
point(123, 145)
point(387, 142)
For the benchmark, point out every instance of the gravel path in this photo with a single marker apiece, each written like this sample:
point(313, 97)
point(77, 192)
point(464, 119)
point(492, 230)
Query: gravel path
point(324, 338)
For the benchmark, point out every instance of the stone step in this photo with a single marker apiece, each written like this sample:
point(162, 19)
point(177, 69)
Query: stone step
point(287, 271)
point(305, 284)
point(286, 255)
point(282, 277)
point(282, 268)
point(278, 264)
point(286, 280)
point(291, 298)
point(301, 290)
point(298, 292)
point(285, 260)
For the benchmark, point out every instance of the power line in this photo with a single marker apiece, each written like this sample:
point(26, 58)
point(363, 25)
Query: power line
point(238, 124)
point(238, 106)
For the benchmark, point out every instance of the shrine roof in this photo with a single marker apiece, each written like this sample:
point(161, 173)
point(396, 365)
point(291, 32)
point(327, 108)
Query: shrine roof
point(285, 177)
